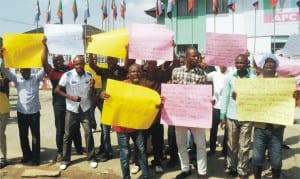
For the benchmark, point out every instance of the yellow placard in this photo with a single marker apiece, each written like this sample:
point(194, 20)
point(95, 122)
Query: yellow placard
point(129, 105)
point(110, 43)
point(23, 50)
point(268, 100)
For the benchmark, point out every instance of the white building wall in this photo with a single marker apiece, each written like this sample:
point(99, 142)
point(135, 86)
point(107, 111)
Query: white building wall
point(243, 22)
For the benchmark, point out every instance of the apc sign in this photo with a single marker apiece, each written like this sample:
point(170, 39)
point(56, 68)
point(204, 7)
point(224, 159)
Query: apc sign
point(282, 17)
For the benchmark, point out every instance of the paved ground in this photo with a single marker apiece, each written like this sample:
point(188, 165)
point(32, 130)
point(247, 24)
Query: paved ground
point(111, 169)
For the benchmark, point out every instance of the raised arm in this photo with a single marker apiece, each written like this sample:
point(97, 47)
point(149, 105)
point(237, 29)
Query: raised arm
point(6, 72)
point(47, 67)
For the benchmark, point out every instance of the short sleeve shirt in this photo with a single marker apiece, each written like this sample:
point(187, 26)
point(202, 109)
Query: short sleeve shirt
point(77, 86)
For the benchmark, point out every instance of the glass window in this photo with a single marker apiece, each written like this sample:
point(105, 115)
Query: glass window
point(222, 6)
point(182, 8)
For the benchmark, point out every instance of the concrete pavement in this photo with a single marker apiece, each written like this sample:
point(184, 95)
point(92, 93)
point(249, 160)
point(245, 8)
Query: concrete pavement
point(111, 169)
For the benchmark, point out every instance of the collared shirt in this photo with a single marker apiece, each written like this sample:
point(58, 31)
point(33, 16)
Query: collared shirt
point(182, 75)
point(228, 104)
point(28, 90)
point(77, 86)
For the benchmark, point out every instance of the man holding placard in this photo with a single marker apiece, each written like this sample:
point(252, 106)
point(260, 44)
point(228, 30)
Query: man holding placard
point(267, 135)
point(239, 132)
point(190, 74)
point(28, 110)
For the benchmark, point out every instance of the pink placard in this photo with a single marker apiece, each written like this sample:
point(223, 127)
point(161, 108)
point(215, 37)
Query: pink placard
point(150, 42)
point(222, 49)
point(187, 105)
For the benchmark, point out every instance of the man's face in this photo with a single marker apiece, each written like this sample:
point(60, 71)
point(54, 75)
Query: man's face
point(78, 62)
point(134, 73)
point(241, 63)
point(111, 62)
point(58, 61)
point(151, 66)
point(25, 72)
point(192, 57)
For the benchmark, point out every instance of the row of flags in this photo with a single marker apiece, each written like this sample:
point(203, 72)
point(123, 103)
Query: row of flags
point(75, 11)
point(215, 6)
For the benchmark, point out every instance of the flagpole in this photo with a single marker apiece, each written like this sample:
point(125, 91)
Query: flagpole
point(274, 31)
point(232, 13)
point(193, 27)
point(254, 47)
point(215, 23)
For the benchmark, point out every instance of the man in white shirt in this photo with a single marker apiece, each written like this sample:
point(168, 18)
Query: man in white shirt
point(28, 110)
point(79, 88)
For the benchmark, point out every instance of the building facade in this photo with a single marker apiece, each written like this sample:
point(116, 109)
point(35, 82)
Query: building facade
point(264, 34)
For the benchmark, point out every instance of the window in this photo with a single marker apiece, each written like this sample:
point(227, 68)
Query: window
point(182, 8)
point(222, 6)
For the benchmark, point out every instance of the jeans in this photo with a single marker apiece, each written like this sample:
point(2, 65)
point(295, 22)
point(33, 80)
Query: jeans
point(59, 115)
point(105, 143)
point(32, 121)
point(123, 141)
point(73, 119)
point(157, 132)
point(269, 138)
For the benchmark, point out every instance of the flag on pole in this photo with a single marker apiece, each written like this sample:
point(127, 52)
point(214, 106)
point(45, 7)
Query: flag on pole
point(171, 3)
point(158, 8)
point(191, 5)
point(48, 13)
point(104, 10)
point(273, 3)
point(86, 10)
point(60, 12)
point(114, 9)
point(215, 6)
point(231, 4)
point(37, 12)
point(255, 4)
point(123, 8)
point(75, 12)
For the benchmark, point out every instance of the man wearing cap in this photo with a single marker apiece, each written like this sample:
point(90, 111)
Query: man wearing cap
point(266, 135)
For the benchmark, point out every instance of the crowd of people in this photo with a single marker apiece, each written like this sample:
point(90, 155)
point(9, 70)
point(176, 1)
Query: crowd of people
point(75, 98)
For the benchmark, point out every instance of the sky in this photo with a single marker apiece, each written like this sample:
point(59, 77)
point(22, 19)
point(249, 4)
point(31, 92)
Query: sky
point(17, 16)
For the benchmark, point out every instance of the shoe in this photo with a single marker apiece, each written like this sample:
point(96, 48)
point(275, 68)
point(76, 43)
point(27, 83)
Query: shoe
point(58, 158)
point(3, 164)
point(63, 165)
point(82, 152)
point(172, 163)
point(242, 176)
point(183, 174)
point(35, 163)
point(232, 173)
point(106, 157)
point(93, 163)
point(99, 151)
point(135, 169)
point(202, 176)
point(210, 153)
point(25, 160)
point(285, 146)
point(158, 169)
